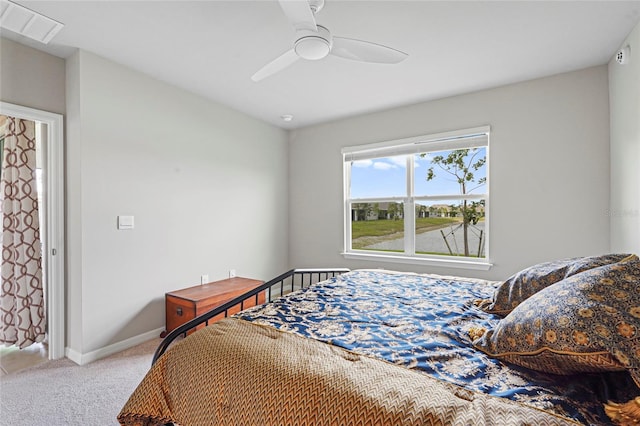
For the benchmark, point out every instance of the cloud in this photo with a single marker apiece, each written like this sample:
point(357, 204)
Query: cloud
point(386, 163)
point(362, 163)
point(399, 161)
point(379, 165)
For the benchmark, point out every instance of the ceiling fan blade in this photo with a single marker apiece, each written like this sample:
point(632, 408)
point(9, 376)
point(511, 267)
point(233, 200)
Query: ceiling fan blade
point(278, 64)
point(366, 51)
point(299, 14)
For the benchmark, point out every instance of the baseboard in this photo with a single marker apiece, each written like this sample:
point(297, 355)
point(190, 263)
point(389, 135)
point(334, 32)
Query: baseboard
point(85, 358)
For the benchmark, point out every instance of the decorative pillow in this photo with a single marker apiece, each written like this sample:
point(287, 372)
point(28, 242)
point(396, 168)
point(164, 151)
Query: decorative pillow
point(589, 322)
point(531, 280)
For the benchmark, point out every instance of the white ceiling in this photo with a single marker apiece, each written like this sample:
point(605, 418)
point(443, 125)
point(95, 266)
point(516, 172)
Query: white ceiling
point(212, 48)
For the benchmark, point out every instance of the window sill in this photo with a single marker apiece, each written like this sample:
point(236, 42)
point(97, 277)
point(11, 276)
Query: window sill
point(480, 265)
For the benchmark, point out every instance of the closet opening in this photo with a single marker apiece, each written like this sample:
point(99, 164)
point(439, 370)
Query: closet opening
point(32, 238)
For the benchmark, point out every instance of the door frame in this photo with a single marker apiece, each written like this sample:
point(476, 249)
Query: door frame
point(54, 217)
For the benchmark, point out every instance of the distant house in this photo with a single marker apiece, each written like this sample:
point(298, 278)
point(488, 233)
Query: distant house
point(447, 210)
point(440, 210)
point(391, 210)
point(376, 211)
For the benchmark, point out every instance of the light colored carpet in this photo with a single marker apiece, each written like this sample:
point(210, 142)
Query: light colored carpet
point(61, 392)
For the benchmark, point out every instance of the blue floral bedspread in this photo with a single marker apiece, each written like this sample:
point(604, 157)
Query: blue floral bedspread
point(422, 322)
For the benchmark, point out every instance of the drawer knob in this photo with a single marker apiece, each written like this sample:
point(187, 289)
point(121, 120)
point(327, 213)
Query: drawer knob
point(179, 312)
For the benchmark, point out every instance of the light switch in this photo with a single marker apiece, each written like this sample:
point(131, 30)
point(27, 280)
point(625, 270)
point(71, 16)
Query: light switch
point(125, 222)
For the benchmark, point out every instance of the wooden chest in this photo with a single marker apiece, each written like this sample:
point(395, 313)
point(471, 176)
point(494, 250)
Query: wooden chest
point(186, 304)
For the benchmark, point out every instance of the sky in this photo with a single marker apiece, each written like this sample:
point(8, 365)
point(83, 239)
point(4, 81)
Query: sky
point(386, 177)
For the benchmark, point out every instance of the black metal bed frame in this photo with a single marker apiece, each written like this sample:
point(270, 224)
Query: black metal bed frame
point(285, 283)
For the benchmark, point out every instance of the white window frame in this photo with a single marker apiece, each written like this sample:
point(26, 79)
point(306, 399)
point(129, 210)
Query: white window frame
point(458, 139)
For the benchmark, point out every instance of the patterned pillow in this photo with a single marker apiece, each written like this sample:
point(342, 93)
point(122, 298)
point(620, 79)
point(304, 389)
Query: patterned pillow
point(589, 322)
point(529, 281)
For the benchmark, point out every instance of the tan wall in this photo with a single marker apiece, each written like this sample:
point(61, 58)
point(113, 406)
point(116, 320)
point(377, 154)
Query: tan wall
point(207, 186)
point(31, 78)
point(549, 146)
point(624, 97)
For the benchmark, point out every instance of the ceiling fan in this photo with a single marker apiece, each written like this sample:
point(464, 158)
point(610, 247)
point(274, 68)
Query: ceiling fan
point(313, 41)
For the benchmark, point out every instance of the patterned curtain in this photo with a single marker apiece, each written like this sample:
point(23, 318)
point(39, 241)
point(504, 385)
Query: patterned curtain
point(22, 309)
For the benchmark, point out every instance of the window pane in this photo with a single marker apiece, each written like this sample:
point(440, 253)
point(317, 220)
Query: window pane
point(460, 171)
point(380, 177)
point(377, 226)
point(441, 229)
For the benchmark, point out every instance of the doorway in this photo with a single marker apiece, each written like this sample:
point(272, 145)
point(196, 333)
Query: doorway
point(50, 127)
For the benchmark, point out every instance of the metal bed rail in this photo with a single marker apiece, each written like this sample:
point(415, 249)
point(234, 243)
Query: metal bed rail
point(292, 280)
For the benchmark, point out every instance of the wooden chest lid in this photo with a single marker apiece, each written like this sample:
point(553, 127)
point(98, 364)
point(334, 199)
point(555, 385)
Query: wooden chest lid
point(236, 285)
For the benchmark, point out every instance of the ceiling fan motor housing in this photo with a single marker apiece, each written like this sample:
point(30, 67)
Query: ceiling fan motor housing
point(316, 5)
point(313, 45)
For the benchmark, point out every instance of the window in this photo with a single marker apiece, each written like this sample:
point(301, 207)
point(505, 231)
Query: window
point(420, 200)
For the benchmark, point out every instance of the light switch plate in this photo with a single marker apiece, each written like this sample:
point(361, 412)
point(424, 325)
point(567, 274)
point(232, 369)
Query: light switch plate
point(125, 222)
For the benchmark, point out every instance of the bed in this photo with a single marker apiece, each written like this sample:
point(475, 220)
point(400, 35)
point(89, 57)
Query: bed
point(374, 347)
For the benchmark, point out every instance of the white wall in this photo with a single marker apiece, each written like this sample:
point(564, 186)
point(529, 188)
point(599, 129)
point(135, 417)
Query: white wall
point(207, 186)
point(624, 97)
point(549, 165)
point(31, 78)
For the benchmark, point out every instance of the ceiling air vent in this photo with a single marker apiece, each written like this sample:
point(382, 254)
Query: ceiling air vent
point(28, 23)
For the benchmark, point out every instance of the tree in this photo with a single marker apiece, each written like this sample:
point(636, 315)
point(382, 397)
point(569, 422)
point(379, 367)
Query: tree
point(375, 211)
point(462, 165)
point(391, 210)
point(421, 211)
point(363, 210)
point(453, 210)
point(396, 210)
